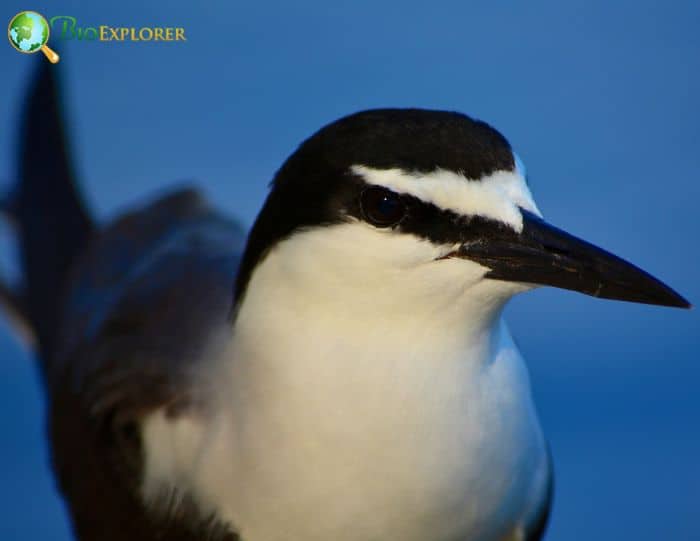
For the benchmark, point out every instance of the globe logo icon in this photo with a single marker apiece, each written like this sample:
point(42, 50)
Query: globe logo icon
point(28, 32)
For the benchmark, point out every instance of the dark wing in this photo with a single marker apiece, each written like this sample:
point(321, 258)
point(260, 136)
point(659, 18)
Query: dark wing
point(139, 310)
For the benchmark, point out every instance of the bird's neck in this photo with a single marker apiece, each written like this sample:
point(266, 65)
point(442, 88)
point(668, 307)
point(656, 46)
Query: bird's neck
point(297, 367)
point(302, 356)
point(346, 329)
point(299, 330)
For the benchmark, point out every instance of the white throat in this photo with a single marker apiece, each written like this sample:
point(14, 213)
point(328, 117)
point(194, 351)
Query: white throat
point(370, 398)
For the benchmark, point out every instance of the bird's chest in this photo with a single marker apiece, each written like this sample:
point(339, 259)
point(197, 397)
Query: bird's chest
point(453, 451)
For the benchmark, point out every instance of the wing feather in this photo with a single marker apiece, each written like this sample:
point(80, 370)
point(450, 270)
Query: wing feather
point(137, 320)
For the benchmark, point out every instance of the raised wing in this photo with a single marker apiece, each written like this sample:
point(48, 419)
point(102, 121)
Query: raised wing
point(140, 309)
point(119, 317)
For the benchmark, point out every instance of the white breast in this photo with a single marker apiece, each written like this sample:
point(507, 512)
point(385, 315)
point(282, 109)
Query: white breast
point(458, 452)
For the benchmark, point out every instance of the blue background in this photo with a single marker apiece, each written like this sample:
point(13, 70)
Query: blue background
point(600, 99)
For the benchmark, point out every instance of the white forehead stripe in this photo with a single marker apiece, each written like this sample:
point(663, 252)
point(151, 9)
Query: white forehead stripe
point(496, 196)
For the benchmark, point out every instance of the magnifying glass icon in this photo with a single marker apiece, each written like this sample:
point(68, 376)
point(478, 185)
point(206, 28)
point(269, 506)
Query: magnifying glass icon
point(29, 32)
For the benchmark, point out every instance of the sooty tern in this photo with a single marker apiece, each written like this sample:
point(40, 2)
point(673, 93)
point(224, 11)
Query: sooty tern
point(343, 375)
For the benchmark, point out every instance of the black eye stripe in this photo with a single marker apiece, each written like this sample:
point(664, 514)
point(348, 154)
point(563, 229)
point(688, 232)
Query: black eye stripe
point(441, 226)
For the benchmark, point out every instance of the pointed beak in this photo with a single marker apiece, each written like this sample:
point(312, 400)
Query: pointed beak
point(545, 255)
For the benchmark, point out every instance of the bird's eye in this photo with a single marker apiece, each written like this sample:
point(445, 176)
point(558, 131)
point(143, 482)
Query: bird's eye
point(382, 207)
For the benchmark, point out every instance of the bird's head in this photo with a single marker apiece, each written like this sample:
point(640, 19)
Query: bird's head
point(389, 208)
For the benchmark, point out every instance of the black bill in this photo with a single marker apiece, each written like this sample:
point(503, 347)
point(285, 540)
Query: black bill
point(544, 255)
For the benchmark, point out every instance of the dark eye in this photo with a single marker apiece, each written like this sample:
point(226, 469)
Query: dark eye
point(382, 207)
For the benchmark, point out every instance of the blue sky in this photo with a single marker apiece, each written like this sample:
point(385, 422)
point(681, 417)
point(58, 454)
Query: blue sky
point(598, 98)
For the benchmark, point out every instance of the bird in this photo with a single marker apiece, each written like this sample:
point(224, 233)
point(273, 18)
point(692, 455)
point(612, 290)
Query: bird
point(342, 372)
